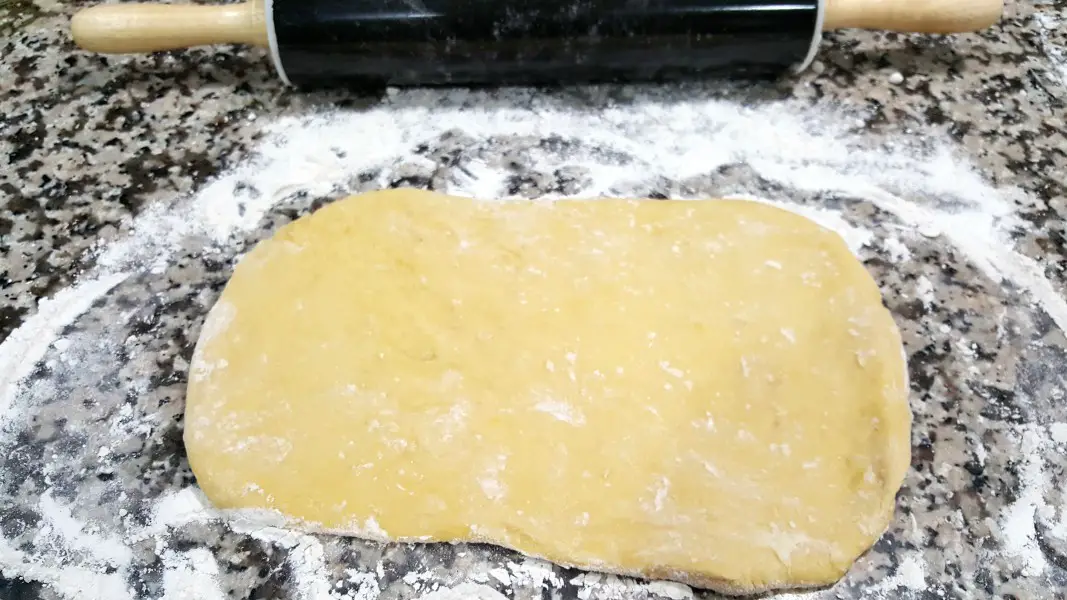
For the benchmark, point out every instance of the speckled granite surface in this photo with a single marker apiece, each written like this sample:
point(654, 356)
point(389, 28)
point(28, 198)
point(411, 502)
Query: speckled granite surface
point(87, 143)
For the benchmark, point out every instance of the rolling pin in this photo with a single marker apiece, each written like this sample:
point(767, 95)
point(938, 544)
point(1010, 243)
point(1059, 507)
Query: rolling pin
point(506, 42)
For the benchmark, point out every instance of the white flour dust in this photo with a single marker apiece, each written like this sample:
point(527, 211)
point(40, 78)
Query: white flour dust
point(797, 149)
point(23, 349)
point(1050, 22)
point(191, 575)
point(1018, 523)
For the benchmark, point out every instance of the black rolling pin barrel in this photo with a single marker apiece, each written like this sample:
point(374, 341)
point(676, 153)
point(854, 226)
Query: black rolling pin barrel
point(405, 42)
point(502, 42)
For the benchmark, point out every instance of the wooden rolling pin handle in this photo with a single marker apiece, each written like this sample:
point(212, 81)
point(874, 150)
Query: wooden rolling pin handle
point(136, 28)
point(918, 16)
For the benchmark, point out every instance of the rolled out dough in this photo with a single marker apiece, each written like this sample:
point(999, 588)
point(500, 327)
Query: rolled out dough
point(703, 391)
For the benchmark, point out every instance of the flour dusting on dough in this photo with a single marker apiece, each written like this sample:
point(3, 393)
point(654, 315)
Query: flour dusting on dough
point(492, 487)
point(662, 488)
point(562, 411)
point(454, 422)
point(270, 448)
point(217, 323)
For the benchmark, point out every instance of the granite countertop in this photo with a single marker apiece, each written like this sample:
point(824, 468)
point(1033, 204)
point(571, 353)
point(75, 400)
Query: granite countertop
point(95, 147)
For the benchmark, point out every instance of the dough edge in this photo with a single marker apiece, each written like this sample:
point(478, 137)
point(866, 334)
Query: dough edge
point(273, 518)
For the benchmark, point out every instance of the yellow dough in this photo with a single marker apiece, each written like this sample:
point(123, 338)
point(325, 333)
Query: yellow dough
point(704, 391)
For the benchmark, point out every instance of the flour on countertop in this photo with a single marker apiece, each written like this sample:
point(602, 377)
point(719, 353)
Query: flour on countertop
point(898, 252)
point(910, 574)
point(924, 291)
point(74, 581)
point(23, 349)
point(192, 575)
point(1018, 523)
point(1049, 23)
point(76, 536)
point(787, 147)
point(465, 591)
point(593, 586)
